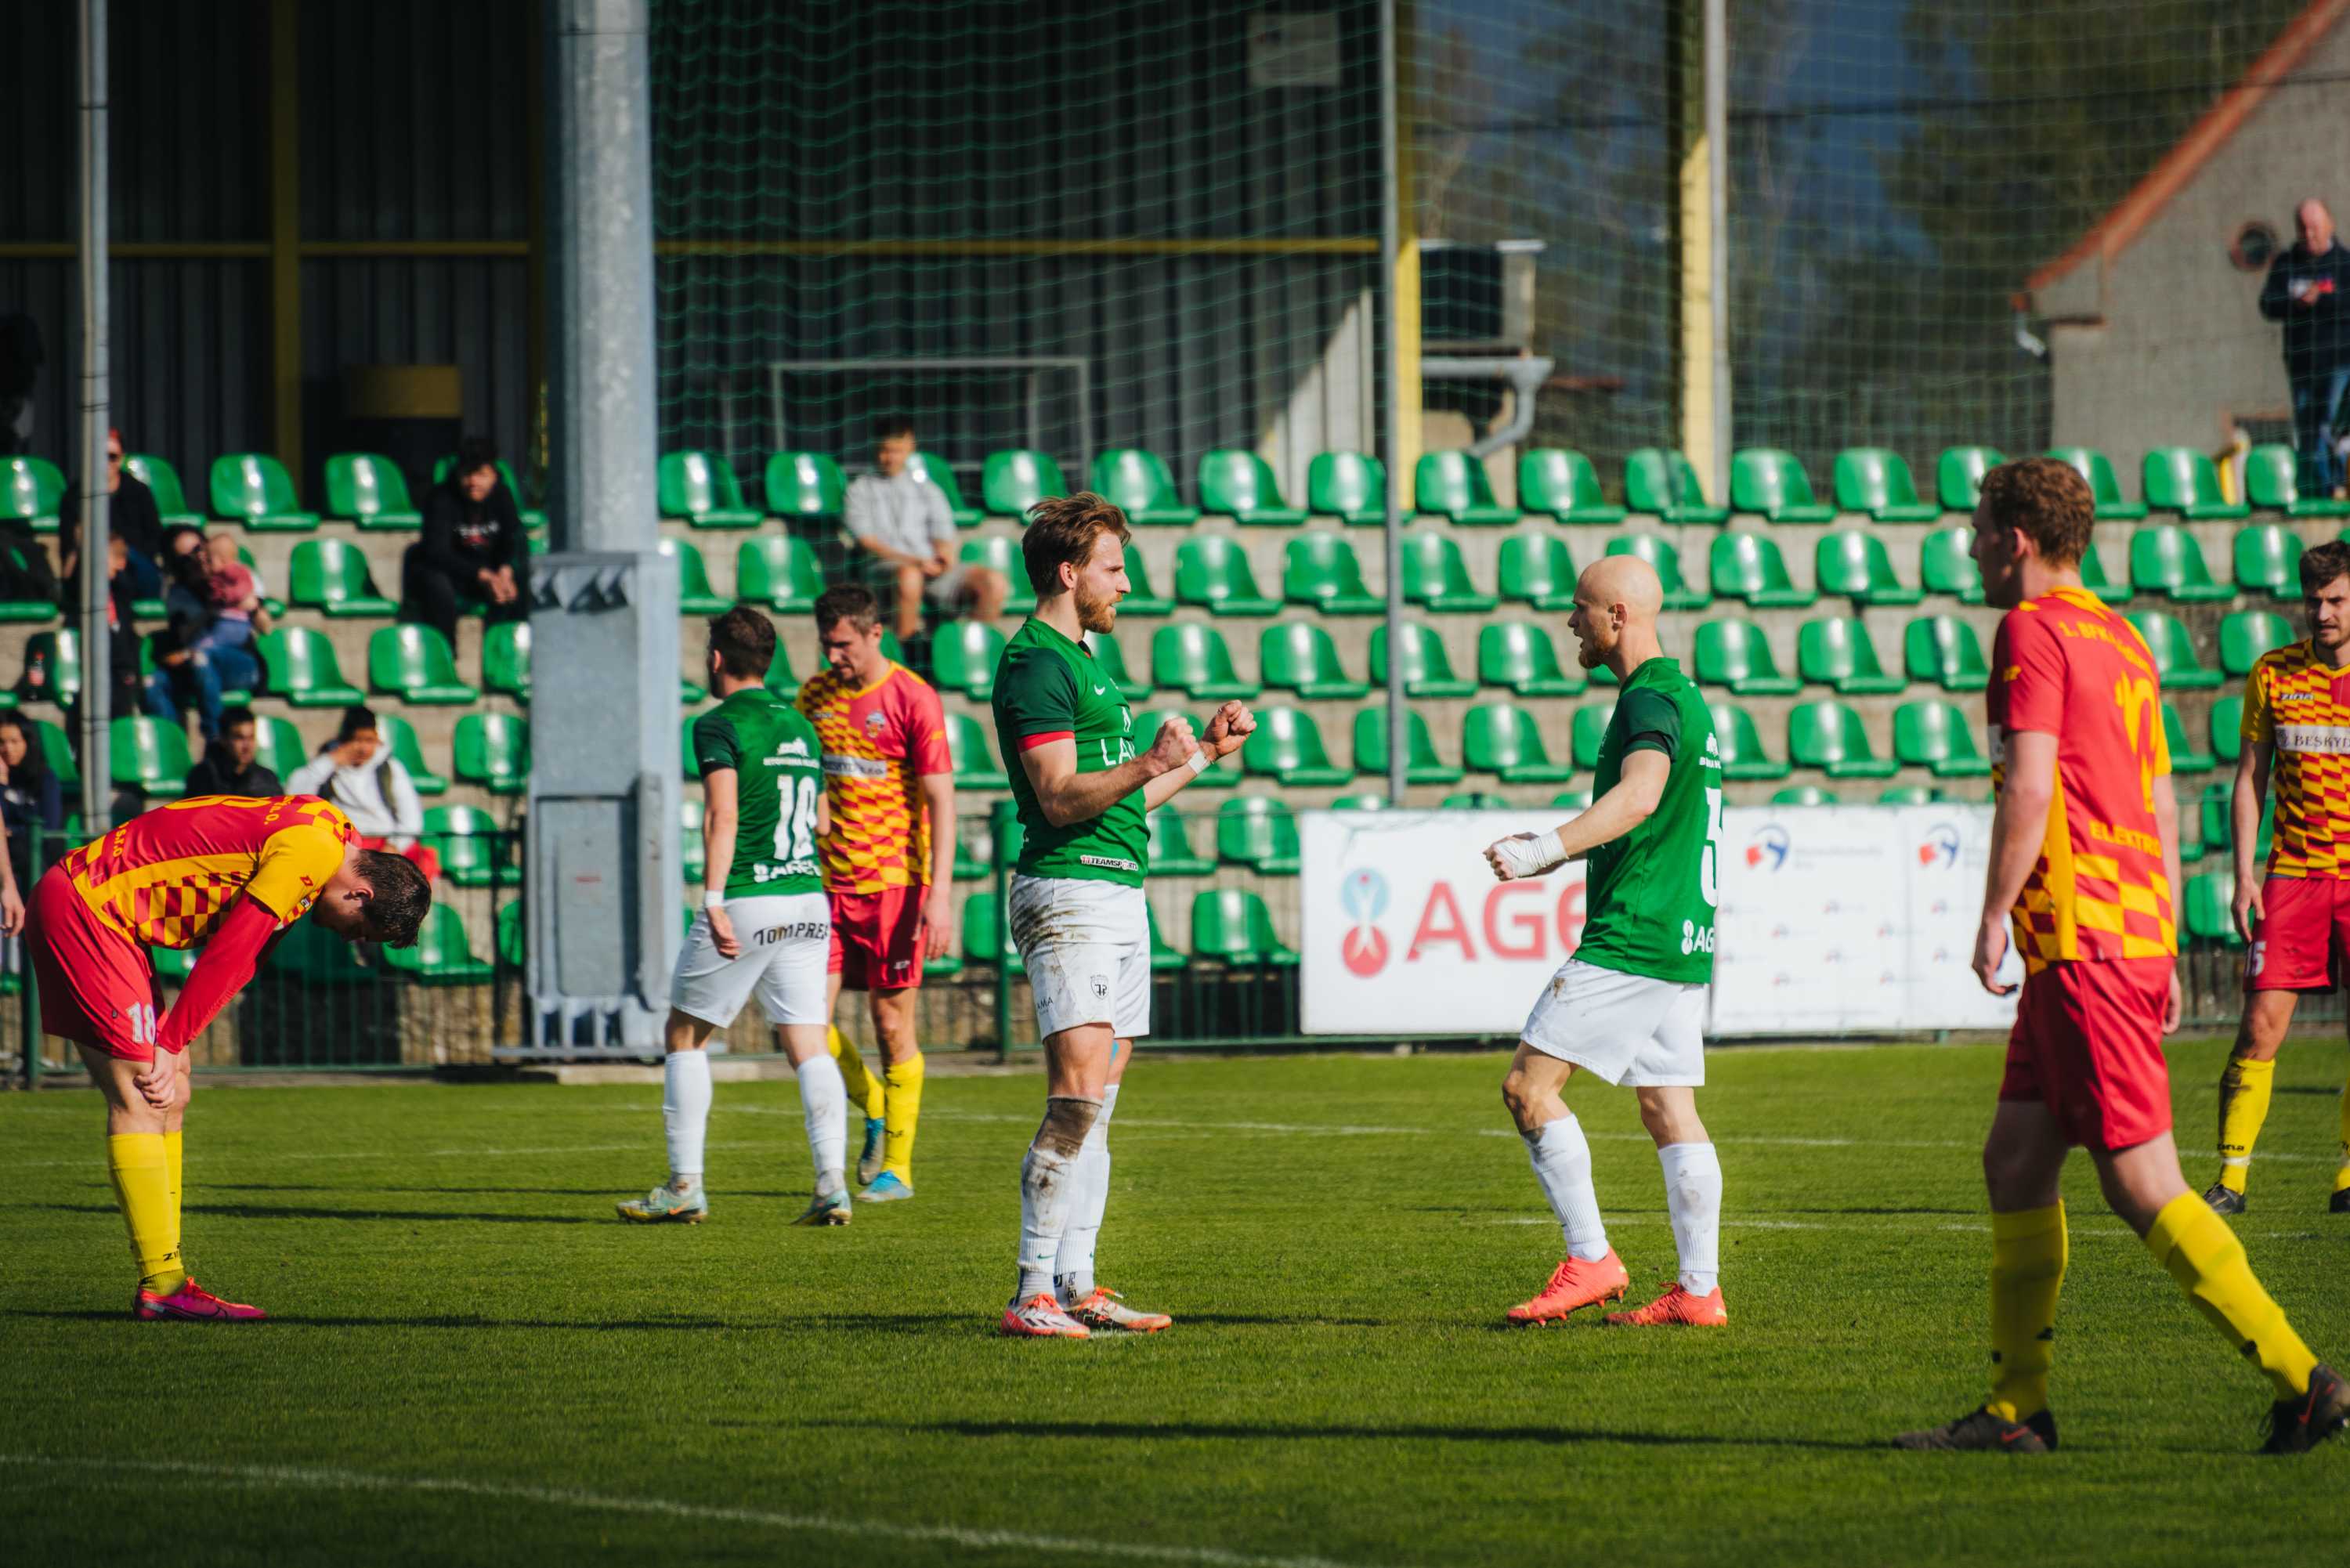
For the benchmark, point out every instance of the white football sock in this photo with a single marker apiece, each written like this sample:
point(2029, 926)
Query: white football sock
point(1693, 1195)
point(1048, 1183)
point(824, 1100)
point(685, 1108)
point(1561, 1158)
point(1073, 1269)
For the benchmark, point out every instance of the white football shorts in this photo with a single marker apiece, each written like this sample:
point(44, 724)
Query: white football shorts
point(786, 940)
point(1628, 1029)
point(1087, 948)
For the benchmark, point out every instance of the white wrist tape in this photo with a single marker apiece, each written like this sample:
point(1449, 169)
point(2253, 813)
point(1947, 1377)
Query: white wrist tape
point(1198, 762)
point(716, 899)
point(1531, 854)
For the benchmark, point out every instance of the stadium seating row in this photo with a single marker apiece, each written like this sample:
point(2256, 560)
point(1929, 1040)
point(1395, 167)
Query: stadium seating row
point(250, 488)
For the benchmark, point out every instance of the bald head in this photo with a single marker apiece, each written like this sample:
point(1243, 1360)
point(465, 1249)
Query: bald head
point(2316, 224)
point(1617, 602)
point(1625, 580)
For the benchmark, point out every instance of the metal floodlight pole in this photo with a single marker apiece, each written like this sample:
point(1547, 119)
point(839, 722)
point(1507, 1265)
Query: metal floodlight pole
point(1390, 253)
point(98, 679)
point(1717, 139)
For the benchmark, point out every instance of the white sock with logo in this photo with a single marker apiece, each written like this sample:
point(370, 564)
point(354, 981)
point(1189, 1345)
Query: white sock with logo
point(824, 1101)
point(1561, 1158)
point(1072, 1268)
point(1693, 1197)
point(685, 1109)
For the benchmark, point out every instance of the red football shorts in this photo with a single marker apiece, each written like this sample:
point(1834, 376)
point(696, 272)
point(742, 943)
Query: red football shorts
point(877, 938)
point(98, 987)
point(2302, 936)
point(2088, 1045)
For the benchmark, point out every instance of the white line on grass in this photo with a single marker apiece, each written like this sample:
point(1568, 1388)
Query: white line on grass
point(2091, 1233)
point(96, 1470)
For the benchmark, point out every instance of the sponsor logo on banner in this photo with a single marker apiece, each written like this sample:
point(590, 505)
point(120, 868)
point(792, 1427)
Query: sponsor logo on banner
point(1767, 850)
point(1364, 947)
point(1940, 850)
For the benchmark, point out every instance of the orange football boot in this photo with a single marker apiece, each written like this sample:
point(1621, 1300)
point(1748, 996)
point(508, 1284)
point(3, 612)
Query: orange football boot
point(1575, 1284)
point(1677, 1305)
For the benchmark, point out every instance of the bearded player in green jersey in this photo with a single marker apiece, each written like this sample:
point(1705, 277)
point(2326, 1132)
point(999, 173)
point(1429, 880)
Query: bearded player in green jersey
point(1630, 1006)
point(1075, 910)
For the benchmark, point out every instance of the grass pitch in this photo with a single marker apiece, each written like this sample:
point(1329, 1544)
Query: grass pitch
point(474, 1362)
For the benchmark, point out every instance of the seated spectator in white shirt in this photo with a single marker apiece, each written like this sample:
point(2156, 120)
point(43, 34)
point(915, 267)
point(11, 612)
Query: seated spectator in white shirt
point(357, 771)
point(904, 523)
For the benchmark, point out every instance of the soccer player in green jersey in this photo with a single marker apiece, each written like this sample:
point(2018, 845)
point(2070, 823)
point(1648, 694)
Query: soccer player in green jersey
point(764, 925)
point(1630, 1006)
point(1075, 910)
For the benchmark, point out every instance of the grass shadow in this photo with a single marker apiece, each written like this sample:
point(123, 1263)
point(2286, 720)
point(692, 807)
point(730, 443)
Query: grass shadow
point(1550, 1437)
point(291, 1212)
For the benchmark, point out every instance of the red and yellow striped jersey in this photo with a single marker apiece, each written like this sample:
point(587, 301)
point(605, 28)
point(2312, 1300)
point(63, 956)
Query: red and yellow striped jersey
point(2065, 665)
point(166, 877)
point(878, 742)
point(2298, 703)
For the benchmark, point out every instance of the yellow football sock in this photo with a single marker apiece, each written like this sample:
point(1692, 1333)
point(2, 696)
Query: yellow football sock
point(864, 1088)
point(2204, 1256)
point(2244, 1090)
point(2027, 1271)
point(172, 1169)
point(142, 1185)
point(2342, 1176)
point(905, 1109)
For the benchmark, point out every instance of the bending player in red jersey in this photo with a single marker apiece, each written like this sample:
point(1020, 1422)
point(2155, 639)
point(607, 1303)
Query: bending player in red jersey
point(224, 874)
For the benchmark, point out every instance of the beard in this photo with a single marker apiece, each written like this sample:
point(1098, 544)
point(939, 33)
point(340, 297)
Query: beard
point(1589, 655)
point(1097, 614)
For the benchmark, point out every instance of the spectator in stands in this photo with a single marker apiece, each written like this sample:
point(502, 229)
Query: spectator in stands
point(20, 367)
point(30, 795)
point(122, 655)
point(474, 548)
point(206, 649)
point(2308, 289)
point(357, 771)
point(132, 516)
point(903, 522)
point(231, 763)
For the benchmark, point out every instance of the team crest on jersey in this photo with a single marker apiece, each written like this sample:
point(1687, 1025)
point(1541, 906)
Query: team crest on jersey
point(875, 722)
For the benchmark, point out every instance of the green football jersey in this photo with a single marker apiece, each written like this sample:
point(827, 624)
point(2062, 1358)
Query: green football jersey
point(1048, 688)
point(778, 767)
point(1648, 908)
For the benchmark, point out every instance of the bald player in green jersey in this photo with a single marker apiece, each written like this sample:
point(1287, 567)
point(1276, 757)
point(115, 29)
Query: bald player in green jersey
point(1630, 1006)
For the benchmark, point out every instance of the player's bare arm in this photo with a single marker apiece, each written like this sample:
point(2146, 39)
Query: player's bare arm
point(1631, 802)
point(12, 902)
point(2019, 827)
point(720, 820)
point(1228, 729)
point(1066, 795)
point(2244, 819)
point(938, 904)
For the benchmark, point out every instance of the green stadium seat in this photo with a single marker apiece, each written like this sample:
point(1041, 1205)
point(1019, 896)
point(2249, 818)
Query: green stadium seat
point(1299, 657)
point(1837, 650)
point(1538, 570)
point(1452, 484)
point(369, 491)
point(253, 488)
point(278, 744)
point(1586, 730)
point(1427, 665)
point(57, 655)
point(1359, 803)
point(1829, 737)
point(1876, 480)
point(315, 956)
point(443, 955)
point(984, 940)
point(2227, 730)
point(58, 752)
point(1944, 650)
point(300, 662)
point(2104, 488)
point(1172, 854)
point(1141, 597)
point(1573, 799)
point(1241, 485)
point(2173, 647)
point(1110, 659)
point(1010, 482)
point(1561, 484)
point(2268, 560)
point(1164, 956)
point(1421, 765)
point(963, 656)
point(1740, 744)
point(694, 850)
point(1803, 795)
point(1350, 487)
point(2272, 484)
point(1854, 565)
point(2184, 756)
point(401, 736)
point(1519, 655)
point(1212, 572)
point(779, 571)
point(1321, 570)
point(1773, 482)
point(973, 758)
point(1666, 561)
point(999, 553)
point(1910, 795)
point(1934, 734)
point(2246, 634)
point(2219, 830)
point(1946, 566)
point(1659, 483)
point(1258, 832)
point(701, 488)
point(2180, 479)
point(412, 663)
point(939, 471)
point(1287, 746)
point(2164, 559)
point(1233, 926)
point(1504, 739)
point(1139, 485)
point(786, 685)
point(694, 594)
point(973, 852)
point(1735, 653)
point(1192, 659)
point(160, 476)
point(472, 855)
point(2211, 915)
point(31, 491)
point(799, 487)
point(1474, 800)
point(1959, 475)
point(2095, 578)
point(494, 752)
point(1748, 566)
point(26, 611)
point(149, 755)
point(330, 576)
point(1435, 575)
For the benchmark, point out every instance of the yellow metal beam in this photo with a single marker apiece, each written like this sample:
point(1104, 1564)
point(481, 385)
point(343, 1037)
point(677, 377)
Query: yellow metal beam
point(1408, 389)
point(1342, 246)
point(1693, 229)
point(286, 234)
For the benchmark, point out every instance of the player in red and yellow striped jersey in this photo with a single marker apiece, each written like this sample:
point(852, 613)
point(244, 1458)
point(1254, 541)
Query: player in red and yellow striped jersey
point(226, 875)
point(2083, 860)
point(889, 863)
point(2296, 738)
